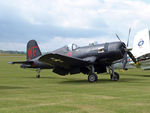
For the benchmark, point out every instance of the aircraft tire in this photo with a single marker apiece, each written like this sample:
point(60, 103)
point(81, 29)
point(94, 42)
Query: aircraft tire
point(92, 77)
point(37, 76)
point(115, 77)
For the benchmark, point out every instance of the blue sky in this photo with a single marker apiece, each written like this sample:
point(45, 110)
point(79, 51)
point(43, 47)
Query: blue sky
point(54, 23)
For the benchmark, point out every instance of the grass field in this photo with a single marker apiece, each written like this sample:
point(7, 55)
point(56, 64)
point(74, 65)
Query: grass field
point(21, 92)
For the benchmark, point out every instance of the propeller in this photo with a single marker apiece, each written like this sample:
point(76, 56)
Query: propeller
point(128, 36)
point(127, 52)
point(125, 59)
point(118, 37)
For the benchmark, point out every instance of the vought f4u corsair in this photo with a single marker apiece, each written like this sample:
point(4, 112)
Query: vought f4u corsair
point(73, 59)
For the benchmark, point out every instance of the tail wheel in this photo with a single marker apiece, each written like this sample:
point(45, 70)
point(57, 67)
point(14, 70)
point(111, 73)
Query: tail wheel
point(114, 77)
point(38, 73)
point(92, 77)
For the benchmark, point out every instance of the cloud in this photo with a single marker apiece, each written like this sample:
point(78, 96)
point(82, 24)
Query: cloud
point(66, 13)
point(46, 20)
point(55, 43)
point(12, 46)
point(82, 14)
point(58, 42)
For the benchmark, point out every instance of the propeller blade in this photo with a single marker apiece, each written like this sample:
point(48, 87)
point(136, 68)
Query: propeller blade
point(118, 37)
point(132, 57)
point(128, 37)
point(124, 61)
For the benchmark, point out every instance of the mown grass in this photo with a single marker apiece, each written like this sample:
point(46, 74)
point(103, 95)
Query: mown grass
point(21, 92)
point(11, 55)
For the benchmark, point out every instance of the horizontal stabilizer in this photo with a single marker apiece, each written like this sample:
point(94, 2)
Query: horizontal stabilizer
point(21, 62)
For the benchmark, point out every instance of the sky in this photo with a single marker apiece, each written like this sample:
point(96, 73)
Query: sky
point(55, 23)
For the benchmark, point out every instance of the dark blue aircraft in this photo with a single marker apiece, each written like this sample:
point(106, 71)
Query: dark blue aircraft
point(72, 60)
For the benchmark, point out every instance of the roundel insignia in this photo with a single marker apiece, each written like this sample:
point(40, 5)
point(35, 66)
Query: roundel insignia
point(141, 42)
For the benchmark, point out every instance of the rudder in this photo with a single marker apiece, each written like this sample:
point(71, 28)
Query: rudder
point(33, 50)
point(141, 44)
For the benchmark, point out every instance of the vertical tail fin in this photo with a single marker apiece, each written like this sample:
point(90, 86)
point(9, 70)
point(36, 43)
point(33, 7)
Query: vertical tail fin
point(33, 50)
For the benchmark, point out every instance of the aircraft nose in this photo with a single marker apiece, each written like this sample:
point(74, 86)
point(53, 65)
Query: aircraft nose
point(123, 48)
point(117, 46)
point(117, 49)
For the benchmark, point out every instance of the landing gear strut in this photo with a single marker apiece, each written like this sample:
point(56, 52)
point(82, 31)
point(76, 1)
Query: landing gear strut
point(114, 76)
point(92, 76)
point(38, 73)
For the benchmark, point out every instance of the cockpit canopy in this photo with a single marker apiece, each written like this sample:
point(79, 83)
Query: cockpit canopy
point(72, 47)
point(94, 43)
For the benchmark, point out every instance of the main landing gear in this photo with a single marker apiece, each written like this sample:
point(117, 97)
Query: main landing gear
point(92, 76)
point(114, 76)
point(38, 73)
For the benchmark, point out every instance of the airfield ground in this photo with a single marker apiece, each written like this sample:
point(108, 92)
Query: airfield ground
point(21, 92)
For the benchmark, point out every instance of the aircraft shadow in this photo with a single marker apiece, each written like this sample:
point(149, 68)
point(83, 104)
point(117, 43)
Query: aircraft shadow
point(85, 81)
point(100, 81)
point(141, 75)
point(48, 77)
point(11, 87)
point(81, 82)
point(137, 75)
point(38, 78)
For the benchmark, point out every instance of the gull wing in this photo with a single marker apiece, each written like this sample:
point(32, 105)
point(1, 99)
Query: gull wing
point(54, 59)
